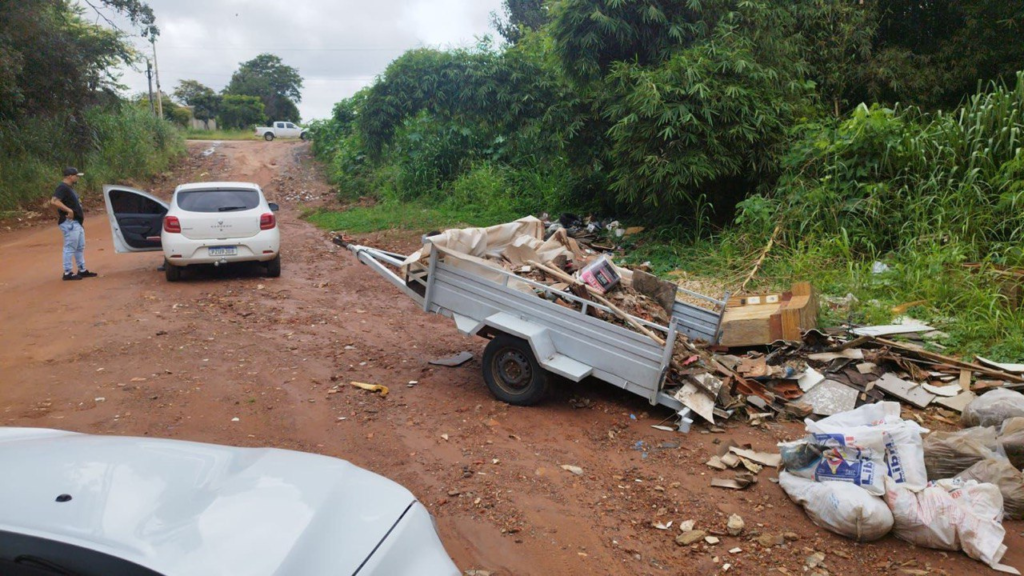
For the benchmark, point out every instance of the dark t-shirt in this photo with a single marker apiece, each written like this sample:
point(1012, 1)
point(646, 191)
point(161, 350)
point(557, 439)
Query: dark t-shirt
point(66, 194)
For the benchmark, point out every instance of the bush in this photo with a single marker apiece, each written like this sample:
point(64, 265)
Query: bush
point(110, 145)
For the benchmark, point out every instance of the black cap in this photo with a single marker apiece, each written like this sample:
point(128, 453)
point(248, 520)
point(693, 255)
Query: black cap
point(72, 171)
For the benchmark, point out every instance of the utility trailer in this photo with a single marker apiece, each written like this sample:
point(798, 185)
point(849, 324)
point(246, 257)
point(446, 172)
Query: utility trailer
point(532, 338)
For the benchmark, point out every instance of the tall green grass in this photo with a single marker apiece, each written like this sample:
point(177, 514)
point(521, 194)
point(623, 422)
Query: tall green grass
point(922, 193)
point(109, 145)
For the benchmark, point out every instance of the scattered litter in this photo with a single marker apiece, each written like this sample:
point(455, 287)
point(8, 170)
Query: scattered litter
point(235, 419)
point(958, 402)
point(892, 329)
point(690, 537)
point(453, 361)
point(574, 469)
point(1014, 368)
point(831, 397)
point(663, 428)
point(372, 388)
point(763, 458)
point(949, 391)
point(810, 379)
point(736, 525)
point(740, 482)
point(99, 399)
point(906, 391)
point(661, 526)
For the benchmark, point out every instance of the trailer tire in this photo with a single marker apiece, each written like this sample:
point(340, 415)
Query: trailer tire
point(512, 372)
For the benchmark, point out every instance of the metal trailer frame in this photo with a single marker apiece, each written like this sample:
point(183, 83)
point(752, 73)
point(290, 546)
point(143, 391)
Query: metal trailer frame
point(564, 341)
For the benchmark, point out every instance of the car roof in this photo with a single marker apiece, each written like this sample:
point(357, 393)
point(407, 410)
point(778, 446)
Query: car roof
point(181, 507)
point(217, 186)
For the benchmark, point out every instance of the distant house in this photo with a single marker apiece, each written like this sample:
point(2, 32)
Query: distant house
point(196, 124)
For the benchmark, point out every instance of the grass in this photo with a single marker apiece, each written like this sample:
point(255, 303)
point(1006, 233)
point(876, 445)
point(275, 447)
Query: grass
point(416, 216)
point(104, 143)
point(220, 134)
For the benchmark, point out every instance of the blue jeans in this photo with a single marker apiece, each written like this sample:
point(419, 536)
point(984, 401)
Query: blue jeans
point(74, 245)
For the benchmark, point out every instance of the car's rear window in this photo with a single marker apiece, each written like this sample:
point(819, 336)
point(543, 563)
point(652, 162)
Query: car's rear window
point(218, 200)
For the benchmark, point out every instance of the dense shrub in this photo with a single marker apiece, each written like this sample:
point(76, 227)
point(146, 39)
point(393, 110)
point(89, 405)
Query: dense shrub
point(110, 145)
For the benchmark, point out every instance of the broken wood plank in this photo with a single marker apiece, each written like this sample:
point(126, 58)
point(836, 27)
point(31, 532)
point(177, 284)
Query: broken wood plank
point(599, 298)
point(951, 361)
point(965, 380)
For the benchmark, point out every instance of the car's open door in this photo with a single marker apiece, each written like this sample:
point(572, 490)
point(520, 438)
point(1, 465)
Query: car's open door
point(135, 218)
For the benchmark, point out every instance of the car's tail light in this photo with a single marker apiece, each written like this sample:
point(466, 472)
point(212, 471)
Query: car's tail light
point(172, 225)
point(267, 221)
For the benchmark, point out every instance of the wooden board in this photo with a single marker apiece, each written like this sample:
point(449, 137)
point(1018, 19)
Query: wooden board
point(762, 319)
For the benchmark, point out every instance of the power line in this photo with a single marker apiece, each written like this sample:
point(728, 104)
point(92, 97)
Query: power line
point(245, 48)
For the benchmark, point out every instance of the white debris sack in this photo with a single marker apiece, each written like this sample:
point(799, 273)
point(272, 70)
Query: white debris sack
point(828, 462)
point(877, 433)
point(992, 408)
point(839, 507)
point(950, 515)
point(1004, 475)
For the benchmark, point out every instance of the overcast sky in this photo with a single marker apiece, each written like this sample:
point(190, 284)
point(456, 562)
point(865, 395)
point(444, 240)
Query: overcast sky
point(338, 46)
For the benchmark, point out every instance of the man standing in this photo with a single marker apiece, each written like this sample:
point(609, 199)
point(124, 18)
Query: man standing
point(69, 219)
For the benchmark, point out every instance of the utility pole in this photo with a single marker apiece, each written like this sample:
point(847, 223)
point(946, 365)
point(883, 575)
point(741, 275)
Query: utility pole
point(149, 76)
point(156, 71)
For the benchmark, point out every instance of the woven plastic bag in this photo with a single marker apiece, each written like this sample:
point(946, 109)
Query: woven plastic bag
point(839, 507)
point(953, 515)
point(993, 408)
point(1006, 477)
point(947, 454)
point(877, 433)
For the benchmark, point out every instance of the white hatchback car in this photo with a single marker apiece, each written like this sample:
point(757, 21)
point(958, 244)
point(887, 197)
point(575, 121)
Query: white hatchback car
point(206, 223)
point(103, 505)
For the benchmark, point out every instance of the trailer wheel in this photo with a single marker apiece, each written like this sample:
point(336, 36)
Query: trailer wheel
point(512, 373)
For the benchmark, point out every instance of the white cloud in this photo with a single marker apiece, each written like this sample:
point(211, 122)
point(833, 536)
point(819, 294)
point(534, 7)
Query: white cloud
point(338, 46)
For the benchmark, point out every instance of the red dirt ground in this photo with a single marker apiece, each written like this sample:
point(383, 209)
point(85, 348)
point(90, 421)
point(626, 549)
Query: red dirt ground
point(128, 353)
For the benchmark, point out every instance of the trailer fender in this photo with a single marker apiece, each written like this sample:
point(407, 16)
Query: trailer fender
point(538, 337)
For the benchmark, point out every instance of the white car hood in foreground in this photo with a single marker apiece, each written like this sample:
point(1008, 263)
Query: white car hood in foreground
point(187, 508)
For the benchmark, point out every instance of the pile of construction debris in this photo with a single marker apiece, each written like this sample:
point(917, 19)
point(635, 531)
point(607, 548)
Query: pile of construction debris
point(799, 371)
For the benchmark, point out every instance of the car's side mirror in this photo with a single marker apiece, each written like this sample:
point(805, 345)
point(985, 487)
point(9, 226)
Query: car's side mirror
point(273, 206)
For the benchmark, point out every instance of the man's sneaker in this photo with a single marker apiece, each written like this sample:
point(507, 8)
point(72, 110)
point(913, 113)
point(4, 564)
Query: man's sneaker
point(70, 276)
point(87, 274)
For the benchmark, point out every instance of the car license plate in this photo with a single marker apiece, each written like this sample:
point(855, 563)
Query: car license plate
point(223, 251)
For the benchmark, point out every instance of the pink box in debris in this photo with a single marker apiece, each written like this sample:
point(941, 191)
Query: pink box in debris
point(600, 274)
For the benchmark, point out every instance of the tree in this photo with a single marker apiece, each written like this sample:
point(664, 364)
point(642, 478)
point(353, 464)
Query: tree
point(519, 16)
point(204, 101)
point(838, 38)
point(53, 60)
point(241, 112)
point(277, 85)
point(936, 53)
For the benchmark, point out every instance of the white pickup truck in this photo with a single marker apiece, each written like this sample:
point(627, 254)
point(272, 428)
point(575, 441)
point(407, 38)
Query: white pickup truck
point(282, 130)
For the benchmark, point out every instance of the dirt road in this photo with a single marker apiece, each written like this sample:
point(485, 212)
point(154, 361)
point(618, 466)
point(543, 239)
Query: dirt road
point(128, 353)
